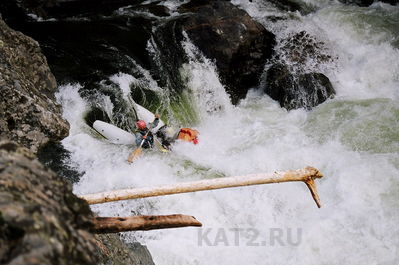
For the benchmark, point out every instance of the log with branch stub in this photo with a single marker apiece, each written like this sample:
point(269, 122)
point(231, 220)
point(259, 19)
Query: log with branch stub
point(306, 175)
point(142, 222)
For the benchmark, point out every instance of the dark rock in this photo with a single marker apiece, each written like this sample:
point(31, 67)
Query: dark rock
point(303, 91)
point(286, 5)
point(154, 8)
point(55, 157)
point(115, 252)
point(303, 52)
point(294, 79)
point(94, 114)
point(19, 9)
point(169, 56)
point(238, 44)
point(368, 2)
point(86, 51)
point(358, 2)
point(41, 221)
point(392, 2)
point(28, 111)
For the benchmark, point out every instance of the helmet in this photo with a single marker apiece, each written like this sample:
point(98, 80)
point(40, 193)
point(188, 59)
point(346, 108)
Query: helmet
point(141, 124)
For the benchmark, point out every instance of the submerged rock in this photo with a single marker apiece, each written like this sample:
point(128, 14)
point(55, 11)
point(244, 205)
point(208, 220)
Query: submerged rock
point(301, 91)
point(28, 111)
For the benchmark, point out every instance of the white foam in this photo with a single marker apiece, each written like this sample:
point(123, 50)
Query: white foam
point(358, 221)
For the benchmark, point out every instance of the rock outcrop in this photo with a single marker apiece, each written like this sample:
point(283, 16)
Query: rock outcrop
point(238, 45)
point(293, 79)
point(103, 46)
point(41, 221)
point(28, 111)
point(297, 91)
point(228, 35)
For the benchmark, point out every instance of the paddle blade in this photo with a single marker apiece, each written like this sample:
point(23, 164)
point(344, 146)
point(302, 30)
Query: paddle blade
point(134, 155)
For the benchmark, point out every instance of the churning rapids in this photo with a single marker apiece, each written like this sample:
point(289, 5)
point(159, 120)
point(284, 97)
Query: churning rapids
point(352, 139)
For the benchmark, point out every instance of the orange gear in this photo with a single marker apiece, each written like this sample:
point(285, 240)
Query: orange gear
point(188, 135)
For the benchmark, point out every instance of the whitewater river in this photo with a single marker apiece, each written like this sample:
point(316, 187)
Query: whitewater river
point(352, 139)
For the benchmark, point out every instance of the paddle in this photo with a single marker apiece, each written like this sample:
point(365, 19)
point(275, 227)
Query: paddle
point(139, 149)
point(136, 153)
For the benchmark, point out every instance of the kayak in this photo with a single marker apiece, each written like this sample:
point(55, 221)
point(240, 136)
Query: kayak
point(117, 135)
point(114, 134)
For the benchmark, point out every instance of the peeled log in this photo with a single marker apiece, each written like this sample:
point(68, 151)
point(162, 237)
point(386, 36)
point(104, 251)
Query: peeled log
point(143, 222)
point(306, 175)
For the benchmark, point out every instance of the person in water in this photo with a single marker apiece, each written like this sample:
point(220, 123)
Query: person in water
point(169, 135)
point(144, 132)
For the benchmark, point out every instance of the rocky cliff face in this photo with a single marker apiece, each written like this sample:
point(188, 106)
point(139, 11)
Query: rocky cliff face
point(28, 111)
point(43, 222)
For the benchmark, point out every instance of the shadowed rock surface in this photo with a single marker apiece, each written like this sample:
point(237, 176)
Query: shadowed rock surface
point(43, 222)
point(60, 8)
point(28, 111)
point(86, 50)
point(239, 45)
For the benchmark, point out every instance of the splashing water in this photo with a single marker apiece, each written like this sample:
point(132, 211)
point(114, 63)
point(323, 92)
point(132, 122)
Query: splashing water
point(352, 139)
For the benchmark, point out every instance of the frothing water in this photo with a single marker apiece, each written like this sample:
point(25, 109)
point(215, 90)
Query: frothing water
point(352, 139)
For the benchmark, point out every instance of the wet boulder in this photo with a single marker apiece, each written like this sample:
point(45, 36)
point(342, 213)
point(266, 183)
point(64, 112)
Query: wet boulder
point(28, 111)
point(297, 91)
point(226, 34)
point(294, 78)
point(304, 53)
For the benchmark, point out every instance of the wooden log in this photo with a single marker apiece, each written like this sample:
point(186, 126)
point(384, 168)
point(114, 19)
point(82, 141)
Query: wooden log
point(142, 222)
point(306, 175)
